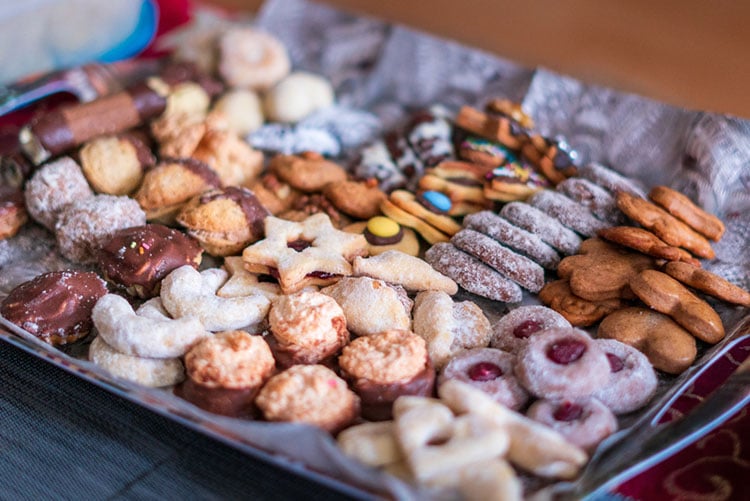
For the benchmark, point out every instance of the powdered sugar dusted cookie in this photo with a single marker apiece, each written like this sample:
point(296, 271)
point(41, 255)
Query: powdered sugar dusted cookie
point(611, 180)
point(489, 370)
point(448, 327)
point(573, 215)
point(584, 422)
point(513, 330)
point(411, 272)
point(632, 380)
point(53, 187)
point(549, 229)
point(592, 196)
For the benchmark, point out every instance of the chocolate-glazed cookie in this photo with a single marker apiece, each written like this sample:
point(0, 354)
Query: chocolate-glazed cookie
point(138, 258)
point(55, 306)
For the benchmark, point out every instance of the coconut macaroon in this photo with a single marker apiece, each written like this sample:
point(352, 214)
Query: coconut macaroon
point(225, 372)
point(307, 327)
point(310, 394)
point(382, 367)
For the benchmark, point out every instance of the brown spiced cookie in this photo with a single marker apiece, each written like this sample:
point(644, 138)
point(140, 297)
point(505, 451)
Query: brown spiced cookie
point(708, 283)
point(114, 165)
point(666, 295)
point(224, 220)
point(308, 172)
point(307, 204)
point(572, 214)
point(646, 242)
point(516, 267)
point(359, 199)
point(472, 274)
point(547, 228)
point(592, 196)
point(276, 195)
point(602, 270)
point(668, 347)
point(681, 207)
point(665, 226)
point(576, 310)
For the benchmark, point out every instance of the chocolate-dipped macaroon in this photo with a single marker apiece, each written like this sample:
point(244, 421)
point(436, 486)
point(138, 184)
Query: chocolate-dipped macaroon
point(138, 258)
point(55, 306)
point(382, 367)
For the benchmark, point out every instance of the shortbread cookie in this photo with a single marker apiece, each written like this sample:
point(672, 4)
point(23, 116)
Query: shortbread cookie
point(359, 199)
point(383, 234)
point(301, 254)
point(668, 347)
point(489, 370)
point(243, 283)
point(153, 372)
point(611, 180)
point(410, 272)
point(666, 295)
point(449, 327)
point(424, 209)
point(549, 229)
point(665, 226)
point(371, 306)
point(646, 242)
point(114, 165)
point(708, 283)
point(592, 196)
point(576, 310)
point(602, 270)
point(519, 240)
point(514, 329)
point(584, 422)
point(310, 394)
point(308, 172)
point(632, 380)
point(516, 267)
point(573, 215)
point(252, 59)
point(472, 274)
point(461, 181)
point(384, 366)
point(681, 207)
point(428, 232)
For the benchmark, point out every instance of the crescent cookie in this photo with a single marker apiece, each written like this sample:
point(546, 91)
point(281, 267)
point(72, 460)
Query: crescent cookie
point(153, 372)
point(411, 272)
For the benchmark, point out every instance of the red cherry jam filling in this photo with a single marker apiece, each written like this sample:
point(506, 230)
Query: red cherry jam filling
point(527, 328)
point(568, 411)
point(299, 245)
point(484, 371)
point(615, 363)
point(566, 351)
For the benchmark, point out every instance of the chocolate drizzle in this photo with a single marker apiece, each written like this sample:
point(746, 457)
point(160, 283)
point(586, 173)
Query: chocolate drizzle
point(255, 212)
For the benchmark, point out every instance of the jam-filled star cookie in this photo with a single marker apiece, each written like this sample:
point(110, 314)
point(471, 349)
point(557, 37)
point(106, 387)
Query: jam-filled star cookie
point(311, 252)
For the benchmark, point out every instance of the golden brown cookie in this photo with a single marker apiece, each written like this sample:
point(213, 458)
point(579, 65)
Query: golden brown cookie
point(305, 205)
point(669, 347)
point(308, 171)
point(276, 195)
point(462, 182)
point(665, 226)
point(666, 295)
point(421, 208)
point(709, 283)
point(234, 160)
point(602, 270)
point(576, 310)
point(359, 199)
point(499, 128)
point(681, 207)
point(646, 242)
point(384, 234)
point(550, 157)
point(114, 165)
point(13, 213)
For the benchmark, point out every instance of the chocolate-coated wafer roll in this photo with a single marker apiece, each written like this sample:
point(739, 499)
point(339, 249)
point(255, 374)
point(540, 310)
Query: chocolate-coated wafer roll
point(68, 127)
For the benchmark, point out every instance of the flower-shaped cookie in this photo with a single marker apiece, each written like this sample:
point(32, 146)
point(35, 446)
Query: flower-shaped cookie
point(298, 254)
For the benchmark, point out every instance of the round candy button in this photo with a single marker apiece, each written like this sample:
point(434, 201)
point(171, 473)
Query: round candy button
point(438, 200)
point(381, 226)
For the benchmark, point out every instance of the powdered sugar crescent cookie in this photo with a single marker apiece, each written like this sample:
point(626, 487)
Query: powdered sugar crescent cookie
point(549, 229)
point(449, 327)
point(144, 336)
point(514, 329)
point(686, 211)
point(516, 267)
point(305, 253)
point(708, 283)
point(518, 239)
point(371, 306)
point(153, 372)
point(472, 274)
point(188, 293)
point(573, 215)
point(411, 272)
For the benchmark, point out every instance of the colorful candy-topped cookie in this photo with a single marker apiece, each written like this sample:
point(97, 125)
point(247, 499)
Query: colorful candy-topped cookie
point(429, 135)
point(514, 180)
point(383, 233)
point(427, 213)
point(483, 151)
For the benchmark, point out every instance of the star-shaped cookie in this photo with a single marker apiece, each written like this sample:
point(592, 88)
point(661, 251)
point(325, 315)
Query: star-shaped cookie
point(299, 254)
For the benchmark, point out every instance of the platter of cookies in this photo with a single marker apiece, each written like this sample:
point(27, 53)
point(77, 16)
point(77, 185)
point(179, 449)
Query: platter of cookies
point(400, 300)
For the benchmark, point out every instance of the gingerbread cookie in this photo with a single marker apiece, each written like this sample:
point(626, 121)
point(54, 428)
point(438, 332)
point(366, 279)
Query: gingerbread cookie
point(665, 226)
point(668, 347)
point(308, 172)
point(709, 283)
point(384, 234)
point(681, 207)
point(306, 253)
point(576, 310)
point(666, 295)
point(646, 242)
point(602, 271)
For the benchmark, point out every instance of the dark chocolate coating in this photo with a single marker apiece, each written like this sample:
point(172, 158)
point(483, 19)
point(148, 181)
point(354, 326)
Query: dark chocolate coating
point(200, 169)
point(138, 258)
point(255, 212)
point(55, 306)
point(232, 402)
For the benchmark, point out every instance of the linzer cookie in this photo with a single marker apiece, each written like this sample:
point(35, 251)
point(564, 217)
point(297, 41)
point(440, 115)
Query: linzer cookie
point(665, 226)
point(646, 242)
point(547, 228)
point(302, 254)
point(708, 283)
point(573, 215)
point(472, 274)
point(224, 220)
point(576, 310)
point(513, 330)
point(516, 267)
point(519, 240)
point(686, 211)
